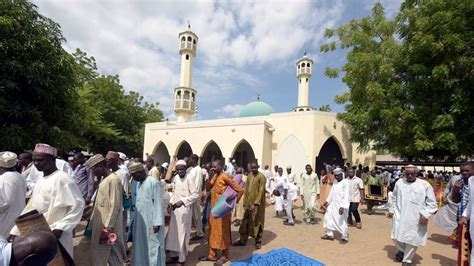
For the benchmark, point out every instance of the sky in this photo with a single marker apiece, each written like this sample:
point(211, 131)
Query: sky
point(245, 48)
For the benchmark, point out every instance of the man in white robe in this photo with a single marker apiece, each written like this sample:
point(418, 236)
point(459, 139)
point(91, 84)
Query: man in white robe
point(148, 228)
point(184, 196)
point(34, 174)
point(447, 217)
point(291, 176)
point(280, 182)
point(195, 172)
point(337, 208)
point(412, 203)
point(12, 192)
point(56, 196)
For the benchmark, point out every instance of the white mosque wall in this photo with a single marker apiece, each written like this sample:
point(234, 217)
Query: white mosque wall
point(292, 153)
point(293, 138)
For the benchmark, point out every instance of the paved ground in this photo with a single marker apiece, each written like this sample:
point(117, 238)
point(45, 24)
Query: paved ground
point(369, 246)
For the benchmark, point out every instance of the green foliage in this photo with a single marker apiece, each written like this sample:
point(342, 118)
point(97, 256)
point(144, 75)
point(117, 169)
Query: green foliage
point(410, 79)
point(36, 79)
point(325, 108)
point(48, 95)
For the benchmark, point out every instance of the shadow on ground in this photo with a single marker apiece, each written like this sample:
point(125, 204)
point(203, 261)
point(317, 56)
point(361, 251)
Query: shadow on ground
point(392, 250)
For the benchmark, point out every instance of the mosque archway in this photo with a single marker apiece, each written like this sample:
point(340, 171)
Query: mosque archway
point(184, 150)
point(243, 153)
point(161, 154)
point(330, 153)
point(291, 152)
point(210, 153)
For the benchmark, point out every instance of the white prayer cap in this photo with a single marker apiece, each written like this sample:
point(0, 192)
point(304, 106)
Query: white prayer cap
point(288, 167)
point(122, 156)
point(165, 165)
point(70, 158)
point(7, 159)
point(181, 162)
point(233, 160)
point(45, 148)
point(337, 171)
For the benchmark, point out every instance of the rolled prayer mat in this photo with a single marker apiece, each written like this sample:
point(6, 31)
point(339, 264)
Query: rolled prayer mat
point(228, 200)
point(34, 221)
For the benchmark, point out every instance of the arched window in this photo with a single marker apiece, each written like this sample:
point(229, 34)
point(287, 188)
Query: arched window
point(301, 110)
point(300, 81)
point(194, 41)
point(190, 39)
point(303, 65)
point(299, 66)
point(178, 95)
point(192, 96)
point(183, 39)
point(187, 57)
point(306, 80)
point(309, 64)
point(186, 95)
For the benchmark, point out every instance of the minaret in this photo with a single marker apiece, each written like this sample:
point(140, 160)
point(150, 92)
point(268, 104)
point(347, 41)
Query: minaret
point(303, 73)
point(185, 95)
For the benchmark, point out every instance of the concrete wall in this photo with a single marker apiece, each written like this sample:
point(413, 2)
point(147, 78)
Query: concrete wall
point(293, 138)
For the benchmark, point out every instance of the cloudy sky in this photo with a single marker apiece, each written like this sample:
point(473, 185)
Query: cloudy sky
point(244, 49)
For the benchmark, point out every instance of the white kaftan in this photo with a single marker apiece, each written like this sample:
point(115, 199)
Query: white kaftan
point(409, 201)
point(12, 200)
point(58, 198)
point(34, 175)
point(338, 198)
point(177, 238)
point(280, 182)
point(196, 174)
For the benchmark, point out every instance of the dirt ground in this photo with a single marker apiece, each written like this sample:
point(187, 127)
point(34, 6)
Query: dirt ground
point(370, 245)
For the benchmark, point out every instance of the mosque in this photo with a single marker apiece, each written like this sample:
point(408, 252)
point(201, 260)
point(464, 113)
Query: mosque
point(295, 138)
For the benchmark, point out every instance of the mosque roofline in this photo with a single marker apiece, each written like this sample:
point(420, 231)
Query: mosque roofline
point(232, 121)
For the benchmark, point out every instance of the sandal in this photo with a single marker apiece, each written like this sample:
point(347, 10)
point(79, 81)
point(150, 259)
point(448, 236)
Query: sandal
point(326, 237)
point(206, 258)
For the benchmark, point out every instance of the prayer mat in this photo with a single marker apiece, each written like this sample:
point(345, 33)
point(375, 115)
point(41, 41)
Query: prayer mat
point(281, 256)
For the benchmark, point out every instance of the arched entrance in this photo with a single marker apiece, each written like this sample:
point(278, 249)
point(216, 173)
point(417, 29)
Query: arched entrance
point(184, 150)
point(330, 153)
point(161, 154)
point(211, 152)
point(243, 153)
point(292, 153)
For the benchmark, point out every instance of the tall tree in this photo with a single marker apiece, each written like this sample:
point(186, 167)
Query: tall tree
point(36, 80)
point(409, 79)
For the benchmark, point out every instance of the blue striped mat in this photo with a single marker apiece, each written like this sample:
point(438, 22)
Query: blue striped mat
point(276, 257)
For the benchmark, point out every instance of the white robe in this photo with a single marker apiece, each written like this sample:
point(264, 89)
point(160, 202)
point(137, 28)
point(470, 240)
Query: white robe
point(177, 238)
point(12, 200)
point(124, 175)
point(280, 182)
point(409, 201)
point(338, 198)
point(58, 198)
point(34, 175)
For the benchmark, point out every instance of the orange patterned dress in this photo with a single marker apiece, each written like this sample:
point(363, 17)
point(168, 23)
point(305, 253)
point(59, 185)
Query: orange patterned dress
point(219, 229)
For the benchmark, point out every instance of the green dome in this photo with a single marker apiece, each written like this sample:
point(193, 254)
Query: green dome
point(256, 108)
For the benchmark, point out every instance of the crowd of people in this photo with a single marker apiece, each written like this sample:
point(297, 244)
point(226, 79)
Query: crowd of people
point(127, 204)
